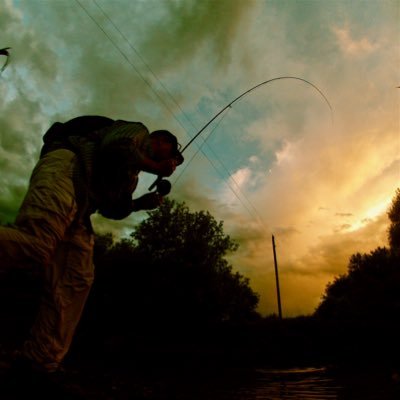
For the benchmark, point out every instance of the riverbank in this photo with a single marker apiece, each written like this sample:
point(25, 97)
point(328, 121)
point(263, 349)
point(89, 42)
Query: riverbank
point(192, 376)
point(189, 362)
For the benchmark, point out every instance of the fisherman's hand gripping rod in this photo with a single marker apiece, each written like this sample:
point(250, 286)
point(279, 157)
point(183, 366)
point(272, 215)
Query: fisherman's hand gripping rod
point(159, 179)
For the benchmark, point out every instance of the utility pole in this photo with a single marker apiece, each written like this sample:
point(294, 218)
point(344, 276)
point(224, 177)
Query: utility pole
point(278, 292)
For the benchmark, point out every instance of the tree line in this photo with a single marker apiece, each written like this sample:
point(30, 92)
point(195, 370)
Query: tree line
point(170, 282)
point(370, 289)
point(170, 276)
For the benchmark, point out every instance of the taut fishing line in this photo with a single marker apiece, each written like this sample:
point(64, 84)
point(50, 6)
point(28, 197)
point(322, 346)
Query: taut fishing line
point(159, 178)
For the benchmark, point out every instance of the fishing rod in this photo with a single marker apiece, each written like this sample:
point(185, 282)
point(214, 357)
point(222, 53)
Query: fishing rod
point(5, 52)
point(160, 182)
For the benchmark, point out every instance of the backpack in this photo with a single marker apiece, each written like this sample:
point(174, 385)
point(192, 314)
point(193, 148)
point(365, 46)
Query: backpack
point(80, 126)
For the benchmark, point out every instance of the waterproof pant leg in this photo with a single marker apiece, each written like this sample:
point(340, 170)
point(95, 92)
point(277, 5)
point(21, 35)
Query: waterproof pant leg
point(68, 281)
point(47, 211)
point(49, 235)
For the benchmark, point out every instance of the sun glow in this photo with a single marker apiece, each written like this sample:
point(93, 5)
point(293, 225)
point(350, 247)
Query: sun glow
point(371, 214)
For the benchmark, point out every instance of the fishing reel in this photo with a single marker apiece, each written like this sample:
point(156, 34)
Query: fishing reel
point(163, 187)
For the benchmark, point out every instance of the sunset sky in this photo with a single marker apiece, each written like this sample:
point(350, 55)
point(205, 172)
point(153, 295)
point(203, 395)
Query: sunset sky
point(277, 162)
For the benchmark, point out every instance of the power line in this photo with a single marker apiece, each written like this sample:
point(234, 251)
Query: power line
point(143, 61)
point(166, 105)
point(254, 213)
point(129, 61)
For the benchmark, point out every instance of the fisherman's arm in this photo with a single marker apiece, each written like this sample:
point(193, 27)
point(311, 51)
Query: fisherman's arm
point(121, 207)
point(121, 156)
point(160, 168)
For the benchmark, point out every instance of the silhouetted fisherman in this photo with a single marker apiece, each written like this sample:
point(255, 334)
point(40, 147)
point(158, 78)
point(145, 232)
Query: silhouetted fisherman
point(88, 164)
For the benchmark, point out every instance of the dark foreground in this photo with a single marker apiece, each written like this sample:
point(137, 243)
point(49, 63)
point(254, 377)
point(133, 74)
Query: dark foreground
point(179, 383)
point(267, 359)
point(199, 374)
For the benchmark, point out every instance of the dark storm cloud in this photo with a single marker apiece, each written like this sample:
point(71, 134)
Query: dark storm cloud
point(190, 26)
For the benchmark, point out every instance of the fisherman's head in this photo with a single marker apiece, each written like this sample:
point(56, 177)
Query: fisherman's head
point(165, 146)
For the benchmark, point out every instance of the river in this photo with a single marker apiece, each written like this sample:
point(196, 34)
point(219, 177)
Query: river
point(311, 383)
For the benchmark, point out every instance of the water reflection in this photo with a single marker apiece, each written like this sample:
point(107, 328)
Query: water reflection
point(295, 384)
point(282, 384)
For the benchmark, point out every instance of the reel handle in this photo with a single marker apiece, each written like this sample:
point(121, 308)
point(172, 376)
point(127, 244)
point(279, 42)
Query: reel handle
point(155, 183)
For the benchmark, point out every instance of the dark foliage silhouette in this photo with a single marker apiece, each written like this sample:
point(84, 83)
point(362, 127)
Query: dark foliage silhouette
point(394, 228)
point(371, 287)
point(170, 276)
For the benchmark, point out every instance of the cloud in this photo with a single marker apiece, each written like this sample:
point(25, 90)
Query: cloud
point(277, 164)
point(193, 193)
point(351, 46)
point(343, 214)
point(304, 275)
point(189, 28)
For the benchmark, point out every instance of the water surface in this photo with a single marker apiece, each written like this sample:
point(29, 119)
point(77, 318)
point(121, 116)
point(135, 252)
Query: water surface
point(293, 384)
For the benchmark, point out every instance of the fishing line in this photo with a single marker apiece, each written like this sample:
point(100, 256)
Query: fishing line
point(250, 90)
point(159, 178)
point(200, 148)
point(150, 86)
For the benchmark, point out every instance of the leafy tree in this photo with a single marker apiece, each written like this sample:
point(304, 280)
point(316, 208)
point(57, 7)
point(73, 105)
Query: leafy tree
point(371, 287)
point(103, 244)
point(170, 275)
point(188, 251)
point(394, 229)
